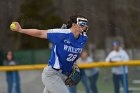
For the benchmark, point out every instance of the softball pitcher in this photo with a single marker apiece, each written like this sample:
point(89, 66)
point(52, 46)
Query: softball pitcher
point(67, 46)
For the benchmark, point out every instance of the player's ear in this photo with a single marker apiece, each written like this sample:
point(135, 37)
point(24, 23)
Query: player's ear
point(73, 24)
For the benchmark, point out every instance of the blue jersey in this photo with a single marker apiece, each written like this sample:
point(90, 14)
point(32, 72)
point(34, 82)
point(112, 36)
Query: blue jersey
point(66, 48)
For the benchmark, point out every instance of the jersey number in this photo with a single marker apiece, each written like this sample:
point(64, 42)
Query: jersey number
point(71, 57)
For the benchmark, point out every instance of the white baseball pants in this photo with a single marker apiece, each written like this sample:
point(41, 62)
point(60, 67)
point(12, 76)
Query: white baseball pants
point(53, 81)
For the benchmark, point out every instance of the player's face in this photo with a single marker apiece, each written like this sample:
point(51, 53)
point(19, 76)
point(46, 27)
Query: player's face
point(116, 47)
point(84, 55)
point(83, 28)
point(82, 24)
point(79, 28)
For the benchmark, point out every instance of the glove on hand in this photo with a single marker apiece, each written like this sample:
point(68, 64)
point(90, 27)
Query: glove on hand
point(74, 78)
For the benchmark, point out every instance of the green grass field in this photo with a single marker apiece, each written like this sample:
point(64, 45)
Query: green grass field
point(105, 84)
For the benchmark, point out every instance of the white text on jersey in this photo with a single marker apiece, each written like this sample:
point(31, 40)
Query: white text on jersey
point(72, 49)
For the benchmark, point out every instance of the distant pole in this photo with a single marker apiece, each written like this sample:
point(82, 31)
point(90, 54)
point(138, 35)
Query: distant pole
point(124, 80)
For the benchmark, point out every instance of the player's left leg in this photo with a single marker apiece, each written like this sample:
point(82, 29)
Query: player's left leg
point(116, 83)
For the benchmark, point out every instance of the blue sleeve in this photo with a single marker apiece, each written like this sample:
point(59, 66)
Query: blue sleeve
point(56, 35)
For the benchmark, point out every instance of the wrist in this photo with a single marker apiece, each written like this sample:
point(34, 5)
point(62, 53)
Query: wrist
point(20, 30)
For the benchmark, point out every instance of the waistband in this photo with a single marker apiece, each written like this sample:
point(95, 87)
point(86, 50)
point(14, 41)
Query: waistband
point(59, 70)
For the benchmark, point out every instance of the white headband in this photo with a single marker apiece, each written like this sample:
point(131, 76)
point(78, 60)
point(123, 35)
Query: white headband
point(81, 19)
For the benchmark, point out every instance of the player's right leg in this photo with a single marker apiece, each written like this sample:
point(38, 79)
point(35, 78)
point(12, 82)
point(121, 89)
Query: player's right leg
point(53, 81)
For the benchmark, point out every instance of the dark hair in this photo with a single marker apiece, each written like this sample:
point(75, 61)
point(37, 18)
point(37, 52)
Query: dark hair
point(73, 19)
point(85, 50)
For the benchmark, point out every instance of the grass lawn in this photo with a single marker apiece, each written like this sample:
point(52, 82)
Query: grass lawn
point(105, 84)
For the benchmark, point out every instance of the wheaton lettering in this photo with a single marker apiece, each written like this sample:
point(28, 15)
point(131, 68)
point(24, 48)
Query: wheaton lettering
point(72, 49)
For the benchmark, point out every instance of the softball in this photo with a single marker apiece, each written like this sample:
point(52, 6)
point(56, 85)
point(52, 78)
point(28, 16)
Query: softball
point(12, 26)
